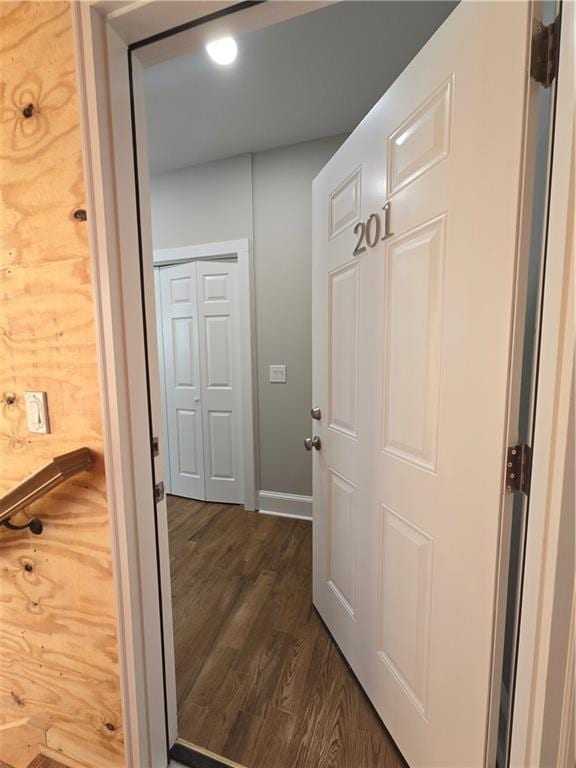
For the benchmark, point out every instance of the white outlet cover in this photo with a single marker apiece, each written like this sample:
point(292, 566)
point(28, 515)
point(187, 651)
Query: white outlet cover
point(37, 412)
point(278, 374)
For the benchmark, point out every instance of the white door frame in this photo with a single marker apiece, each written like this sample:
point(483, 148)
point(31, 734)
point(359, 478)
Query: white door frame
point(239, 249)
point(535, 654)
point(102, 45)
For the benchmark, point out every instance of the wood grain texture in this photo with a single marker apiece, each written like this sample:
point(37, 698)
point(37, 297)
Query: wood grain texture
point(58, 650)
point(260, 680)
point(21, 740)
point(44, 762)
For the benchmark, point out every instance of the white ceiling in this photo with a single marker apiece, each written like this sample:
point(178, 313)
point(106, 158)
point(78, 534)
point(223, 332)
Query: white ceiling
point(313, 76)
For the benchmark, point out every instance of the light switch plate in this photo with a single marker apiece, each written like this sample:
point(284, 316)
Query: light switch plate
point(37, 412)
point(278, 374)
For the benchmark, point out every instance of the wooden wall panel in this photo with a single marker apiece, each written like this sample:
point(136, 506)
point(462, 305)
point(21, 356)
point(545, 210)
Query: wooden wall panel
point(58, 654)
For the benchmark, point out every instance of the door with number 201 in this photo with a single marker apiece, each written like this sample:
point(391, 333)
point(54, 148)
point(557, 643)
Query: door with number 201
point(415, 223)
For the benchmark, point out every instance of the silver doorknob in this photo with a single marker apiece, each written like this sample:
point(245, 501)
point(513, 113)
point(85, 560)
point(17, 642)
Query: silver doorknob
point(312, 442)
point(316, 413)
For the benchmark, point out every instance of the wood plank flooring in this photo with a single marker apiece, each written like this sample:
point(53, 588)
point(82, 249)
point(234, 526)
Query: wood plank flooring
point(260, 680)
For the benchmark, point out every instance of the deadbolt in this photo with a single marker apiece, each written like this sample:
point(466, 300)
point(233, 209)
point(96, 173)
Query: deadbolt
point(316, 413)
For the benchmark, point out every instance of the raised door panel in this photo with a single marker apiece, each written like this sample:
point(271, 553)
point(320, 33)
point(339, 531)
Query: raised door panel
point(413, 323)
point(216, 288)
point(345, 204)
point(218, 351)
point(341, 544)
point(183, 352)
point(405, 557)
point(187, 428)
point(422, 141)
point(343, 350)
point(221, 436)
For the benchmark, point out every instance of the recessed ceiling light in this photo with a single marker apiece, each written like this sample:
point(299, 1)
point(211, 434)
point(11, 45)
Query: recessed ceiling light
point(223, 51)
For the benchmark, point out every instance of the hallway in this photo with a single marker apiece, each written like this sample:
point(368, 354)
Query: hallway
point(258, 675)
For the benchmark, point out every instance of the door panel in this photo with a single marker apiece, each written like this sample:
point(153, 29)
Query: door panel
point(218, 352)
point(342, 520)
point(221, 382)
point(412, 319)
point(404, 614)
point(182, 379)
point(188, 428)
point(412, 345)
point(343, 390)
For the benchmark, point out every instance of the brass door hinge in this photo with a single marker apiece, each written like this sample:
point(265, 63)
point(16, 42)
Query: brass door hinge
point(545, 50)
point(518, 468)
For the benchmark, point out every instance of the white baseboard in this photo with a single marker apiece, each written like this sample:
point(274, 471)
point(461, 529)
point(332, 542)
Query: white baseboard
point(285, 505)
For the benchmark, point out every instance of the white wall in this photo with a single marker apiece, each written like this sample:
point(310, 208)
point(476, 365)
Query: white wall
point(560, 660)
point(266, 197)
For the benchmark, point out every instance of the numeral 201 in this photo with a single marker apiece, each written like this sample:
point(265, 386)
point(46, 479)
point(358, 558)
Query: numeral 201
point(369, 231)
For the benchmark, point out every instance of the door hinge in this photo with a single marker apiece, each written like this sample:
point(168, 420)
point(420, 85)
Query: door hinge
point(155, 447)
point(545, 50)
point(159, 492)
point(518, 468)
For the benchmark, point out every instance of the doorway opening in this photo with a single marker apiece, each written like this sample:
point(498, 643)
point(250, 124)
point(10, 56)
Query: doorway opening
point(233, 152)
point(342, 210)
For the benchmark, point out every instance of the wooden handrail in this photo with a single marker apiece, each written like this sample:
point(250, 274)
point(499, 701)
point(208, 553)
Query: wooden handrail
point(38, 484)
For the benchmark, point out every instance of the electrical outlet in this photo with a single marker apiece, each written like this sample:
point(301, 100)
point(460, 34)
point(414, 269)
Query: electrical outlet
point(278, 374)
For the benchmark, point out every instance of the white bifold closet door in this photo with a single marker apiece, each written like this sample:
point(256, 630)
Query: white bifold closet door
point(201, 351)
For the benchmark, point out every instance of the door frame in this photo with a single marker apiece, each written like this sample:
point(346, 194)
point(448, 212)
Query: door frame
point(103, 43)
point(241, 251)
point(550, 471)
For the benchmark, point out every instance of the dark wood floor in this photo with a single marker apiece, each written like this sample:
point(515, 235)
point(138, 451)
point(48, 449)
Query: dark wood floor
point(259, 679)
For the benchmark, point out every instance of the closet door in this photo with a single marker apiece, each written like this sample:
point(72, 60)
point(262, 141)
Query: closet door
point(182, 378)
point(219, 334)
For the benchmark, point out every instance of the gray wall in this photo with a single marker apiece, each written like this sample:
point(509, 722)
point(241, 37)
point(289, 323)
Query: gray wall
point(203, 204)
point(266, 197)
point(282, 187)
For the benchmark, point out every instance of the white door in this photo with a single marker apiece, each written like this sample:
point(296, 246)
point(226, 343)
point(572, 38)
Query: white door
point(411, 368)
point(219, 332)
point(182, 379)
point(201, 352)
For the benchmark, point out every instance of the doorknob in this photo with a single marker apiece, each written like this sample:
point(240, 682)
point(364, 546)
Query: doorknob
point(316, 413)
point(312, 442)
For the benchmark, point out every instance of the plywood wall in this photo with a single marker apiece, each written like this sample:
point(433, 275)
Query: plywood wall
point(58, 654)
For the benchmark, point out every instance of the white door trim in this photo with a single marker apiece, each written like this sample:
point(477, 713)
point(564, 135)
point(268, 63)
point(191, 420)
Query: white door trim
point(103, 80)
point(104, 99)
point(551, 426)
point(239, 249)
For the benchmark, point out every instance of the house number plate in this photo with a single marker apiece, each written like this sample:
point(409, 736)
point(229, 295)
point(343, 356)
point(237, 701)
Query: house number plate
point(369, 232)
